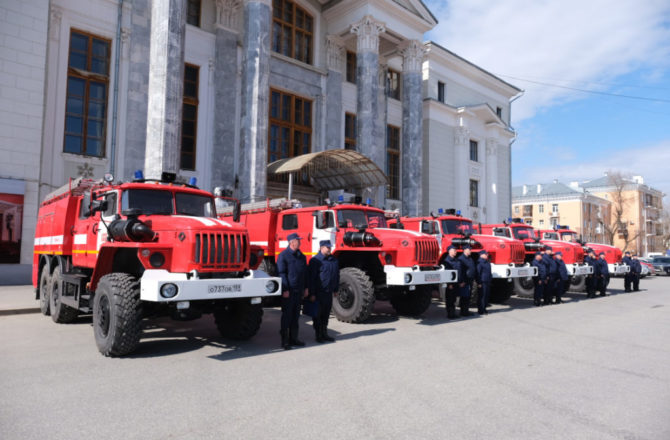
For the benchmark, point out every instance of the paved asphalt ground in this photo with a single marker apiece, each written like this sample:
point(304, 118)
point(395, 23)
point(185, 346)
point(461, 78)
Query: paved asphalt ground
point(587, 369)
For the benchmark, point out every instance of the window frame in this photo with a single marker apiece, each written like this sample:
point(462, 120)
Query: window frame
point(475, 144)
point(351, 66)
point(441, 91)
point(291, 124)
point(87, 76)
point(350, 141)
point(541, 208)
point(199, 15)
point(193, 101)
point(278, 19)
point(393, 151)
point(393, 93)
point(291, 227)
point(474, 193)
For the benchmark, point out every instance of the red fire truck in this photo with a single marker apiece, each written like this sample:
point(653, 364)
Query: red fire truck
point(573, 255)
point(507, 255)
point(376, 262)
point(127, 251)
point(613, 254)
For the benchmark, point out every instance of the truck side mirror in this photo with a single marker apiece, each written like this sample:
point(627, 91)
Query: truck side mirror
point(237, 208)
point(98, 205)
point(86, 205)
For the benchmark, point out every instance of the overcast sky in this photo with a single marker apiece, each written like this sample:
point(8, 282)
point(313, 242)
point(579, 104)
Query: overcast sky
point(549, 48)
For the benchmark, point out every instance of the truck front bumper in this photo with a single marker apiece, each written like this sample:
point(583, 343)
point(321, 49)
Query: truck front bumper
point(577, 269)
point(154, 284)
point(618, 269)
point(505, 271)
point(413, 276)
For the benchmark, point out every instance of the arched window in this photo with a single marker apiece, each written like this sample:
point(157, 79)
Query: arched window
point(292, 31)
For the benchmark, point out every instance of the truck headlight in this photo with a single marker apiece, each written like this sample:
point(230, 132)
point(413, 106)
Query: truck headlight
point(408, 278)
point(271, 286)
point(169, 290)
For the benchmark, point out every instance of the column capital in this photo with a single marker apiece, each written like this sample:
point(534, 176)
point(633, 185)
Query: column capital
point(412, 52)
point(368, 30)
point(55, 16)
point(491, 146)
point(227, 14)
point(335, 52)
point(462, 136)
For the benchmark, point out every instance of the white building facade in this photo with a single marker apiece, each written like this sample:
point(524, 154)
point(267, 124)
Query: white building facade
point(327, 74)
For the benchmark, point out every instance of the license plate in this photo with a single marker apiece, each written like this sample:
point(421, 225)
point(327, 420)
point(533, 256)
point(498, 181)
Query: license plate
point(224, 288)
point(432, 277)
point(524, 272)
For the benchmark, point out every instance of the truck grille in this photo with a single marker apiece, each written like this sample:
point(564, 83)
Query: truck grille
point(426, 252)
point(216, 250)
point(518, 253)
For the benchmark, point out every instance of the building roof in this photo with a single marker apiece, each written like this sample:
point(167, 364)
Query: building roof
point(544, 190)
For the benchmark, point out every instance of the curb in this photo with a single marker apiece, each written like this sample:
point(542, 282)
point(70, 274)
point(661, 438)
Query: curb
point(19, 311)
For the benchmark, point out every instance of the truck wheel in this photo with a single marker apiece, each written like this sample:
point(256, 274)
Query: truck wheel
point(412, 302)
point(117, 314)
point(356, 296)
point(268, 266)
point(501, 291)
point(45, 284)
point(238, 319)
point(578, 283)
point(524, 287)
point(60, 313)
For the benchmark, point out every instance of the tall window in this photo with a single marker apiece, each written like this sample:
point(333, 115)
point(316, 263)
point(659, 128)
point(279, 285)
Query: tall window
point(440, 91)
point(541, 209)
point(351, 67)
point(541, 223)
point(350, 131)
point(292, 31)
point(290, 126)
point(474, 193)
point(499, 112)
point(393, 84)
point(554, 208)
point(189, 118)
point(193, 12)
point(474, 150)
point(393, 161)
point(86, 102)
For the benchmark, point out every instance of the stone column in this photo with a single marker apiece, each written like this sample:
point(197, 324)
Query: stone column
point(222, 160)
point(166, 87)
point(379, 194)
point(335, 59)
point(412, 128)
point(255, 91)
point(492, 190)
point(461, 162)
point(138, 78)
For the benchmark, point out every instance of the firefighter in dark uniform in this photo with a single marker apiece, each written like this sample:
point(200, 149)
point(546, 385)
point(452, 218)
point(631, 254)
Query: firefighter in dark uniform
point(627, 278)
point(603, 274)
point(292, 268)
point(452, 263)
point(591, 280)
point(540, 279)
point(637, 273)
point(324, 281)
point(484, 279)
point(469, 274)
point(563, 278)
point(552, 275)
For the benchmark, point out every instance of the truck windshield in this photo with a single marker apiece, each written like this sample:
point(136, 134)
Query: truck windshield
point(551, 236)
point(451, 226)
point(569, 236)
point(158, 202)
point(355, 218)
point(524, 233)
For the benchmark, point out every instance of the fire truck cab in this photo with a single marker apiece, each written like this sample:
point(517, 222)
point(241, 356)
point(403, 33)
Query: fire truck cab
point(127, 251)
point(376, 262)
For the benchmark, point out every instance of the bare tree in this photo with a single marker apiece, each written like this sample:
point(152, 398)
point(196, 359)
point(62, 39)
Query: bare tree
point(619, 225)
point(665, 224)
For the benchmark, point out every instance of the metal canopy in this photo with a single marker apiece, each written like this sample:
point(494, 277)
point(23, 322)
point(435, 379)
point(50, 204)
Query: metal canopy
point(333, 169)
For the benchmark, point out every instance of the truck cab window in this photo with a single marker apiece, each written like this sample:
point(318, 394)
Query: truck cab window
point(111, 204)
point(501, 232)
point(195, 205)
point(148, 201)
point(289, 222)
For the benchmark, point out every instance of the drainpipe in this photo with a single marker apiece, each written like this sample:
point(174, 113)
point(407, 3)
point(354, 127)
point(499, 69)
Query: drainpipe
point(115, 96)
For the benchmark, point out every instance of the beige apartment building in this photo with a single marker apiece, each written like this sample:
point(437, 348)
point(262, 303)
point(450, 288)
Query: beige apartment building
point(641, 223)
point(545, 205)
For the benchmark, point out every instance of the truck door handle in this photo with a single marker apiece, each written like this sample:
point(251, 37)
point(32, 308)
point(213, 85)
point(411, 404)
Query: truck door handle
point(94, 229)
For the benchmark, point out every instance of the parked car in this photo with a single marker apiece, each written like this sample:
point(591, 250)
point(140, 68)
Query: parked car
point(661, 265)
point(647, 269)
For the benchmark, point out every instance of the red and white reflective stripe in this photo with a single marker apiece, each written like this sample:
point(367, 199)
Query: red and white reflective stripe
point(80, 239)
point(49, 241)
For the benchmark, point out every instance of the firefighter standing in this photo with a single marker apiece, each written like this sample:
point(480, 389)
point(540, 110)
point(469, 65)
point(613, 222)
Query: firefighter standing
point(469, 274)
point(484, 279)
point(591, 280)
point(452, 263)
point(292, 268)
point(324, 281)
point(628, 277)
point(637, 273)
point(603, 274)
point(540, 279)
point(563, 278)
point(552, 275)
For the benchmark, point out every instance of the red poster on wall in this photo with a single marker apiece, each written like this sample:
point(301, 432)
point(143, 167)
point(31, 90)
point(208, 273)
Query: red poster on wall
point(11, 218)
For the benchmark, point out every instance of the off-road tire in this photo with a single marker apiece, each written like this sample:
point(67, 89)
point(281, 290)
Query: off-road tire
point(60, 313)
point(524, 287)
point(501, 291)
point(45, 285)
point(577, 283)
point(117, 314)
point(238, 319)
point(412, 302)
point(268, 266)
point(356, 296)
